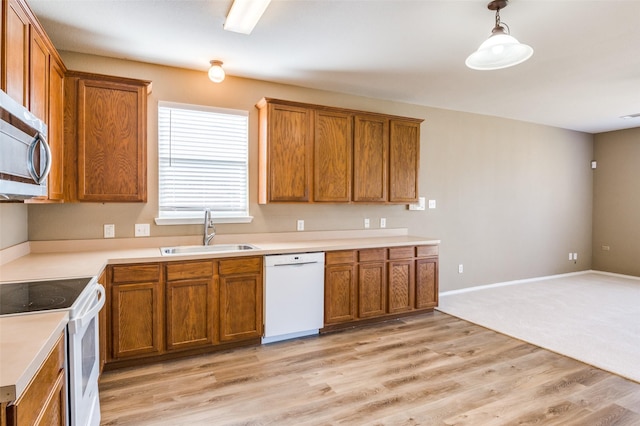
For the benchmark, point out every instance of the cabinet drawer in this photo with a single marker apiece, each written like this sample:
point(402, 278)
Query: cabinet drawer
point(401, 253)
point(339, 257)
point(372, 255)
point(425, 251)
point(136, 273)
point(247, 265)
point(28, 407)
point(185, 271)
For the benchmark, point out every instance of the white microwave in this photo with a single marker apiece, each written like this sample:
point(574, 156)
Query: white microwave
point(25, 157)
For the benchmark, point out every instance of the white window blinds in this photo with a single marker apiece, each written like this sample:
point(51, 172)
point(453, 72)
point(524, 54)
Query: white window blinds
point(203, 161)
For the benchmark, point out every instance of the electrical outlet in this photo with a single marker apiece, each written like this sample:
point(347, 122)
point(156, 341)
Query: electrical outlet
point(300, 225)
point(575, 256)
point(606, 248)
point(460, 268)
point(432, 204)
point(109, 231)
point(142, 230)
point(366, 223)
point(383, 222)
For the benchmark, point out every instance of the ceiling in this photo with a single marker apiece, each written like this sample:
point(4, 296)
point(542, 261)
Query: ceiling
point(584, 74)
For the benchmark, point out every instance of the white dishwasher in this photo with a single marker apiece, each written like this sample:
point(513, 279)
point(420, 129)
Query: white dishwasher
point(293, 295)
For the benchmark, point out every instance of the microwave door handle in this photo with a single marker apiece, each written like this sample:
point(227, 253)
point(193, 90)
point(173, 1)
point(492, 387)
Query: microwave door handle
point(76, 324)
point(35, 174)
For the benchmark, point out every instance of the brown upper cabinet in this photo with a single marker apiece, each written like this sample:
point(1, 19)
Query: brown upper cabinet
point(32, 74)
point(404, 161)
point(286, 150)
point(314, 153)
point(55, 129)
point(371, 149)
point(105, 138)
point(332, 143)
point(16, 24)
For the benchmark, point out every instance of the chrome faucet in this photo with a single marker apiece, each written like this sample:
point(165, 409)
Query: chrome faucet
point(208, 223)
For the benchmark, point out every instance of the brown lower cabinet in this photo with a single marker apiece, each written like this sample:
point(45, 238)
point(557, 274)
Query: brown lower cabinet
point(135, 302)
point(161, 309)
point(240, 299)
point(44, 400)
point(379, 283)
point(191, 300)
point(372, 288)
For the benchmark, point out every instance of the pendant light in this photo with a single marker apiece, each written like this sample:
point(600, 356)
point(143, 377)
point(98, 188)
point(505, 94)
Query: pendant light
point(500, 50)
point(216, 73)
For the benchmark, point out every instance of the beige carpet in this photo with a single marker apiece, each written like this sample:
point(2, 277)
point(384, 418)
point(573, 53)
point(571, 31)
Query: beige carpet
point(592, 317)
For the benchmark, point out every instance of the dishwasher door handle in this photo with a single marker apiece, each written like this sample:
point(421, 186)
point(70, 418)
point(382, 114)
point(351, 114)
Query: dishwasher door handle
point(296, 264)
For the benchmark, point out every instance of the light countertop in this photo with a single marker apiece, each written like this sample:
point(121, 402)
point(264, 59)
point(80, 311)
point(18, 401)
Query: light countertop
point(25, 342)
point(65, 259)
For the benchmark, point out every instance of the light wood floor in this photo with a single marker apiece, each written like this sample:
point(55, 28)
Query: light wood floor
point(433, 369)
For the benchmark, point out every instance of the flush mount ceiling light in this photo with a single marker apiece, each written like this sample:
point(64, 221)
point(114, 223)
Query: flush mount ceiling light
point(500, 50)
point(244, 15)
point(216, 73)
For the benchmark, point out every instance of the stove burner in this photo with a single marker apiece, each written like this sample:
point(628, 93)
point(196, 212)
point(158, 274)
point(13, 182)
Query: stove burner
point(40, 295)
point(45, 302)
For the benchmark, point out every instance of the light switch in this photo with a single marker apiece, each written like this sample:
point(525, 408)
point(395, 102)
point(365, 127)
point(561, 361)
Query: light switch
point(419, 205)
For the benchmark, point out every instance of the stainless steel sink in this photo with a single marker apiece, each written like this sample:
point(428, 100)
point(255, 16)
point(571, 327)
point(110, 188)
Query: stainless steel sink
point(215, 248)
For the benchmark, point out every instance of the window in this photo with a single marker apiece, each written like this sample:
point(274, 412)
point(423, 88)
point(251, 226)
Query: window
point(202, 163)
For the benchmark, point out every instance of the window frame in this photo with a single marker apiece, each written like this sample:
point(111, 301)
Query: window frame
point(218, 217)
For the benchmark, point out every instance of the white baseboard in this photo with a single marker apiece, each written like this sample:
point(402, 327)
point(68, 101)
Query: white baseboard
point(528, 280)
point(502, 284)
point(613, 274)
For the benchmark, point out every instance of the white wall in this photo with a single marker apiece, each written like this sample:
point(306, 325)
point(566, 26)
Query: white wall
point(513, 198)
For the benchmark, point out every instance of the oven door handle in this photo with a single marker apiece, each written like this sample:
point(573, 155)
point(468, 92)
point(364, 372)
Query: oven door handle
point(82, 321)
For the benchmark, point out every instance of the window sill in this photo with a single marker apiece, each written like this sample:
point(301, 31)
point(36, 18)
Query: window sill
point(161, 221)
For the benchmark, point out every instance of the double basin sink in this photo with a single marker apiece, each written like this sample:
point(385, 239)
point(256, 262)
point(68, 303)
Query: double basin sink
point(215, 248)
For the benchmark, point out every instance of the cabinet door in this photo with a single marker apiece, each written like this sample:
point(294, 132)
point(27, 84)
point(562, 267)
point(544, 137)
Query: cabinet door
point(16, 52)
point(332, 145)
point(339, 293)
point(370, 158)
point(240, 307)
point(111, 141)
point(55, 129)
point(372, 283)
point(290, 150)
point(401, 285)
point(136, 319)
point(55, 409)
point(38, 76)
point(404, 161)
point(426, 283)
point(190, 313)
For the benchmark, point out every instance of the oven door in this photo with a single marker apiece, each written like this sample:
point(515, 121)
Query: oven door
point(84, 362)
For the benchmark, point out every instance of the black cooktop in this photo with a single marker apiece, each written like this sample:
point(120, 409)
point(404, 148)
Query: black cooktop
point(35, 296)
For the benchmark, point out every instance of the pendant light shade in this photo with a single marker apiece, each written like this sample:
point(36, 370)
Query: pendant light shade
point(500, 50)
point(216, 73)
